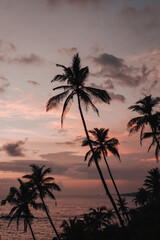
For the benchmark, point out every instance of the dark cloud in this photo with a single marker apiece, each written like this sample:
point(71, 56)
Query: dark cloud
point(116, 68)
point(133, 166)
point(4, 83)
point(14, 149)
point(113, 96)
point(27, 60)
point(67, 51)
point(109, 84)
point(78, 140)
point(33, 82)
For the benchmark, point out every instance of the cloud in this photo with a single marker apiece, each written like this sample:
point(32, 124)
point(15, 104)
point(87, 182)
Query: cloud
point(117, 97)
point(114, 96)
point(27, 60)
point(34, 83)
point(4, 83)
point(116, 68)
point(77, 3)
point(14, 149)
point(7, 46)
point(67, 51)
point(78, 140)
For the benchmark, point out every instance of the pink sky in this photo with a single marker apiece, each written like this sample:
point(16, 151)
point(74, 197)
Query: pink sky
point(119, 41)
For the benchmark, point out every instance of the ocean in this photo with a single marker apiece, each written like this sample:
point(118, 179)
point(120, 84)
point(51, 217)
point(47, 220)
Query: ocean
point(67, 207)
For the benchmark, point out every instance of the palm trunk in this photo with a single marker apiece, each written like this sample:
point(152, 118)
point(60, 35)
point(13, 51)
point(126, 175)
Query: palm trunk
point(31, 229)
point(118, 194)
point(50, 220)
point(155, 137)
point(98, 168)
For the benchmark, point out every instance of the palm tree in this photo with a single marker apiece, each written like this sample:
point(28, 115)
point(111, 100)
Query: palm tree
point(151, 135)
point(122, 204)
point(152, 183)
point(100, 217)
point(145, 107)
point(22, 199)
point(102, 145)
point(141, 197)
point(44, 187)
point(75, 78)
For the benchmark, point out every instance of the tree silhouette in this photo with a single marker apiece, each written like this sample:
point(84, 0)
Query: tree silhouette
point(44, 187)
point(152, 183)
point(145, 107)
point(141, 197)
point(102, 144)
point(75, 78)
point(22, 199)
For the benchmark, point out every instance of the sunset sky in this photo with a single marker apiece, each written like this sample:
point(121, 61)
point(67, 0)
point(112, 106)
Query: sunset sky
point(120, 42)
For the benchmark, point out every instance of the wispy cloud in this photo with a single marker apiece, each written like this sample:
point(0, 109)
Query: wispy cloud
point(34, 83)
point(67, 51)
point(27, 60)
point(4, 84)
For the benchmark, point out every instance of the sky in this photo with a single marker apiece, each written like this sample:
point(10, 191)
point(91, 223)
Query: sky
point(120, 43)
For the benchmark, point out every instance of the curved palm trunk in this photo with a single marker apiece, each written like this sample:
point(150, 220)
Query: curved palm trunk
point(155, 137)
point(98, 168)
point(31, 229)
point(50, 220)
point(118, 194)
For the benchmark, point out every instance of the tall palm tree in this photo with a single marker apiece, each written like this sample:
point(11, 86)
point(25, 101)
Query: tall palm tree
point(75, 78)
point(147, 135)
point(44, 187)
point(145, 107)
point(102, 144)
point(22, 199)
point(152, 183)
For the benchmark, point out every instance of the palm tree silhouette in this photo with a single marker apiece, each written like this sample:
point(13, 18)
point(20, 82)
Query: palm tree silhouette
point(151, 135)
point(100, 217)
point(102, 145)
point(141, 197)
point(122, 204)
point(44, 187)
point(22, 199)
point(152, 183)
point(145, 107)
point(75, 78)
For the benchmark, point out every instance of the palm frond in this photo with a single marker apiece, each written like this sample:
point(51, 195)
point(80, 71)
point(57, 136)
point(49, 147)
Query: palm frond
point(87, 101)
point(55, 100)
point(66, 106)
point(60, 78)
point(99, 94)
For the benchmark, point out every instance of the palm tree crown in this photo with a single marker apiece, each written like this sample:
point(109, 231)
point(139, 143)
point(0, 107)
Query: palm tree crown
point(22, 199)
point(102, 144)
point(145, 107)
point(75, 78)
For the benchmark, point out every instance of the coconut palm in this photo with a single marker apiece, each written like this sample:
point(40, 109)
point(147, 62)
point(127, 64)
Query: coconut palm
point(152, 183)
point(141, 197)
point(102, 144)
point(44, 187)
point(148, 116)
point(22, 199)
point(154, 142)
point(122, 204)
point(100, 217)
point(75, 78)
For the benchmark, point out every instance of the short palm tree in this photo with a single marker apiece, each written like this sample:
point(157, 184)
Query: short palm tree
point(122, 204)
point(22, 199)
point(145, 107)
point(152, 183)
point(141, 197)
point(102, 144)
point(75, 78)
point(100, 217)
point(44, 187)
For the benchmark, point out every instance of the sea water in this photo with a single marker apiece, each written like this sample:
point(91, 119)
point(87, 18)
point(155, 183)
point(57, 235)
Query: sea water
point(66, 207)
